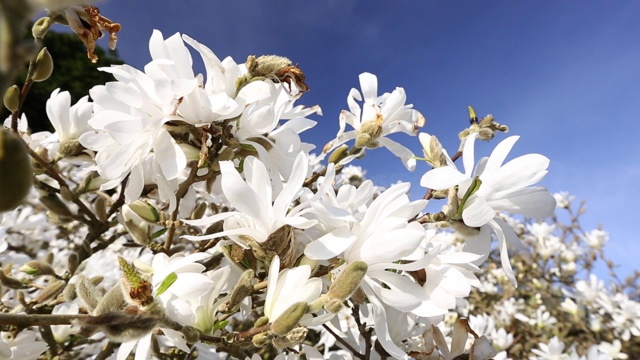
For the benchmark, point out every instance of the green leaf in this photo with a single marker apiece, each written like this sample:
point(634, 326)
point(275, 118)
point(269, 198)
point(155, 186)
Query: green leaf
point(166, 283)
point(159, 233)
point(220, 325)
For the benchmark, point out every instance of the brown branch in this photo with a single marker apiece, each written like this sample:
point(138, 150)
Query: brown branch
point(25, 320)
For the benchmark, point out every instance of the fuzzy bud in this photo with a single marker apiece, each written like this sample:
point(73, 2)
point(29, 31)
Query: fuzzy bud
point(53, 203)
point(51, 291)
point(242, 289)
point(11, 98)
point(136, 289)
point(362, 140)
point(10, 282)
point(43, 66)
point(432, 149)
point(15, 167)
point(348, 281)
point(289, 319)
point(35, 267)
point(87, 293)
point(191, 334)
point(294, 337)
point(72, 262)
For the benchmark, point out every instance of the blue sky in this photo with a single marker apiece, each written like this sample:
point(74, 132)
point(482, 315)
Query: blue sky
point(563, 75)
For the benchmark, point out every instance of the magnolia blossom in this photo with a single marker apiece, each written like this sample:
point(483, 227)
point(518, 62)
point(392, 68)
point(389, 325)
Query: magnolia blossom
point(504, 187)
point(288, 287)
point(378, 117)
point(259, 211)
point(24, 346)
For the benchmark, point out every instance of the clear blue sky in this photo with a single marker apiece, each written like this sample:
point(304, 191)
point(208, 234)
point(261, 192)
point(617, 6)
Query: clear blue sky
point(565, 75)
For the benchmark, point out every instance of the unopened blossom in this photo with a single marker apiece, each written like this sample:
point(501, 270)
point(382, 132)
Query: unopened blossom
point(378, 117)
point(504, 187)
point(70, 122)
point(288, 287)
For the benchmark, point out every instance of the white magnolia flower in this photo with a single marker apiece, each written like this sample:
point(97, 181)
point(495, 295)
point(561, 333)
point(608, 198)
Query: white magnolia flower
point(24, 346)
point(259, 210)
point(504, 187)
point(378, 117)
point(596, 238)
point(288, 287)
point(69, 121)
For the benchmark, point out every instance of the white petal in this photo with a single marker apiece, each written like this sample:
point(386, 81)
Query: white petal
point(477, 212)
point(168, 154)
point(468, 156)
point(407, 157)
point(369, 86)
point(442, 178)
point(534, 202)
point(330, 245)
point(500, 153)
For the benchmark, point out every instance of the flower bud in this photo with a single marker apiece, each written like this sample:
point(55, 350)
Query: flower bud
point(41, 27)
point(87, 292)
point(242, 289)
point(10, 282)
point(70, 147)
point(191, 334)
point(347, 282)
point(51, 291)
point(145, 211)
point(15, 167)
point(293, 338)
point(53, 203)
point(72, 262)
point(136, 289)
point(43, 66)
point(289, 319)
point(137, 227)
point(432, 149)
point(100, 208)
point(338, 154)
point(35, 267)
point(11, 98)
point(261, 340)
point(362, 140)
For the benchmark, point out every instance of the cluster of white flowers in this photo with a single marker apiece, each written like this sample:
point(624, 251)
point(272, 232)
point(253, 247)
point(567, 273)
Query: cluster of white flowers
point(183, 212)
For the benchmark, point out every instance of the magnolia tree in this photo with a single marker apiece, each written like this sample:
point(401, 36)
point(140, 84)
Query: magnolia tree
point(176, 215)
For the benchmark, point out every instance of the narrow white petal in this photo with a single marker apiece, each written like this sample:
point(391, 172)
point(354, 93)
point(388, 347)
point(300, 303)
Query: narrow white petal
point(468, 154)
point(405, 155)
point(500, 153)
point(369, 86)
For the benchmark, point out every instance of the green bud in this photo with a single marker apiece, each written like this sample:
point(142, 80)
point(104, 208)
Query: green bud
point(41, 27)
point(261, 340)
point(145, 211)
point(263, 320)
point(43, 66)
point(35, 267)
point(15, 167)
point(191, 334)
point(362, 140)
point(11, 98)
point(348, 281)
point(53, 203)
point(69, 292)
point(332, 305)
point(338, 154)
point(199, 211)
point(289, 319)
point(100, 208)
point(72, 262)
point(242, 289)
